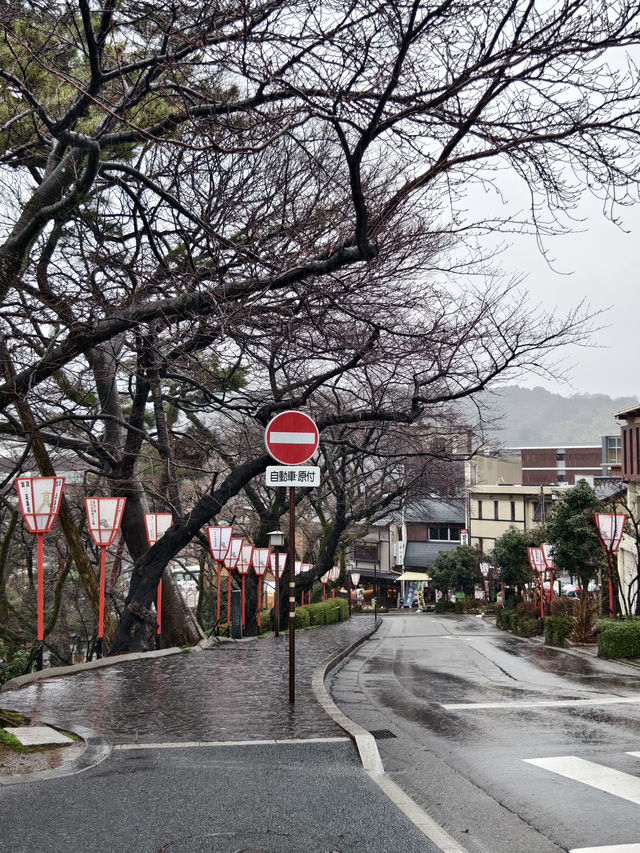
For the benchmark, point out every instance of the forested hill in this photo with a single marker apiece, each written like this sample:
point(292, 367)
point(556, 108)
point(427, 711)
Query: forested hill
point(533, 416)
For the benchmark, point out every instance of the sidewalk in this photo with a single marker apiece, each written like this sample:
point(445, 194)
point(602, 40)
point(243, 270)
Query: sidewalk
point(235, 691)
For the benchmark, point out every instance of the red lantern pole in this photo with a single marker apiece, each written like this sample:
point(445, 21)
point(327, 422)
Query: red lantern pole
point(219, 538)
point(260, 562)
point(39, 501)
point(103, 520)
point(40, 602)
point(156, 525)
point(230, 562)
point(610, 529)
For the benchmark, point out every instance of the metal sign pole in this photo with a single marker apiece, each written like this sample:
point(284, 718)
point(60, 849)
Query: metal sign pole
point(292, 594)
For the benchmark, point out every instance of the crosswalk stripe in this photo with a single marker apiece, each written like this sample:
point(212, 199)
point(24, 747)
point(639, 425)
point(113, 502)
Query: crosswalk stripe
point(606, 779)
point(549, 703)
point(616, 848)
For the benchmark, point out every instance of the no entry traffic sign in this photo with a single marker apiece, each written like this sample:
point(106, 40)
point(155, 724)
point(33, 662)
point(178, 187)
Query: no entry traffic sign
point(291, 437)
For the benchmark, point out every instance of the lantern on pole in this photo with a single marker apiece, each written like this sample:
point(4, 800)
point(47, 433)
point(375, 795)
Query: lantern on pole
point(230, 562)
point(243, 565)
point(277, 564)
point(324, 580)
point(103, 520)
point(39, 502)
point(537, 563)
point(260, 562)
point(484, 571)
point(156, 525)
point(219, 538)
point(334, 574)
point(550, 563)
point(610, 528)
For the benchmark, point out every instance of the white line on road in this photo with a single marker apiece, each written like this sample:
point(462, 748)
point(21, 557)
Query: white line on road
point(550, 703)
point(598, 776)
point(191, 744)
point(616, 848)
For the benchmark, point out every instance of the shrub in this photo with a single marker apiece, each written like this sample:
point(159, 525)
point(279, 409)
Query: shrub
point(557, 629)
point(265, 617)
point(303, 618)
point(564, 606)
point(445, 606)
point(12, 663)
point(619, 638)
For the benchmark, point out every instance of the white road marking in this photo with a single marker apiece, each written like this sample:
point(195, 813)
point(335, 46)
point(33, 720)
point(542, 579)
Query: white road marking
point(192, 744)
point(291, 437)
point(616, 848)
point(598, 776)
point(550, 703)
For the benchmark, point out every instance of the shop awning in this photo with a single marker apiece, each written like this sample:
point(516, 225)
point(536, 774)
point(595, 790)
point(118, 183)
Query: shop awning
point(380, 575)
point(414, 576)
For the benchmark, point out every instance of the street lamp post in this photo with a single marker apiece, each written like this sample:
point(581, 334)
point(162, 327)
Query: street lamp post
point(276, 541)
point(39, 500)
point(610, 528)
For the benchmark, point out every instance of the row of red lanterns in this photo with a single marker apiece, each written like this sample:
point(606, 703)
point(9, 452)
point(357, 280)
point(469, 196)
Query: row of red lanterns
point(39, 502)
point(610, 527)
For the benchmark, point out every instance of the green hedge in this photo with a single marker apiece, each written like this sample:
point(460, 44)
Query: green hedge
point(557, 629)
point(619, 638)
point(322, 613)
point(445, 606)
point(329, 611)
point(520, 621)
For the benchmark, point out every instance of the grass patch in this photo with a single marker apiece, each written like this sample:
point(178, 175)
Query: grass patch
point(7, 739)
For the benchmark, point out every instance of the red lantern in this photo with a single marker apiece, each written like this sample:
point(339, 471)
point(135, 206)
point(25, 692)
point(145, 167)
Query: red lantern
point(260, 563)
point(610, 529)
point(156, 524)
point(219, 539)
point(244, 564)
point(39, 501)
point(103, 520)
point(230, 562)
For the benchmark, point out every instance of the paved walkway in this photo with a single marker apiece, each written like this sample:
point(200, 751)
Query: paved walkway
point(232, 692)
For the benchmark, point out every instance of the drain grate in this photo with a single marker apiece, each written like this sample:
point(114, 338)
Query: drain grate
point(382, 734)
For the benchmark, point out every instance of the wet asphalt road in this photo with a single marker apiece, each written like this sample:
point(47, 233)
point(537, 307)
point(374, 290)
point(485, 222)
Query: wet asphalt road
point(167, 787)
point(469, 766)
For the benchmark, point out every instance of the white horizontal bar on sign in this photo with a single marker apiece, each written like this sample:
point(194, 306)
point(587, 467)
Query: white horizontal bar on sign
point(291, 437)
point(306, 476)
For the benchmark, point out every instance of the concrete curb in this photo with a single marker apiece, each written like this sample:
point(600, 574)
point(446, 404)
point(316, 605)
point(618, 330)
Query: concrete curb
point(364, 741)
point(95, 752)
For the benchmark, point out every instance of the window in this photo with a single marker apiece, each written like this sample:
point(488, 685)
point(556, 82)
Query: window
point(496, 514)
point(444, 534)
point(612, 456)
point(513, 510)
point(479, 509)
point(560, 455)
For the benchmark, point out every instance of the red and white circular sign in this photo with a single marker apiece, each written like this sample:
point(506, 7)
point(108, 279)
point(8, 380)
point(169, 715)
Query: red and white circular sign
point(291, 437)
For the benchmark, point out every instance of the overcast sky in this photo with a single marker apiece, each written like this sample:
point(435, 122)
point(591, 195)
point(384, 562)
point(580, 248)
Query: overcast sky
point(598, 262)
